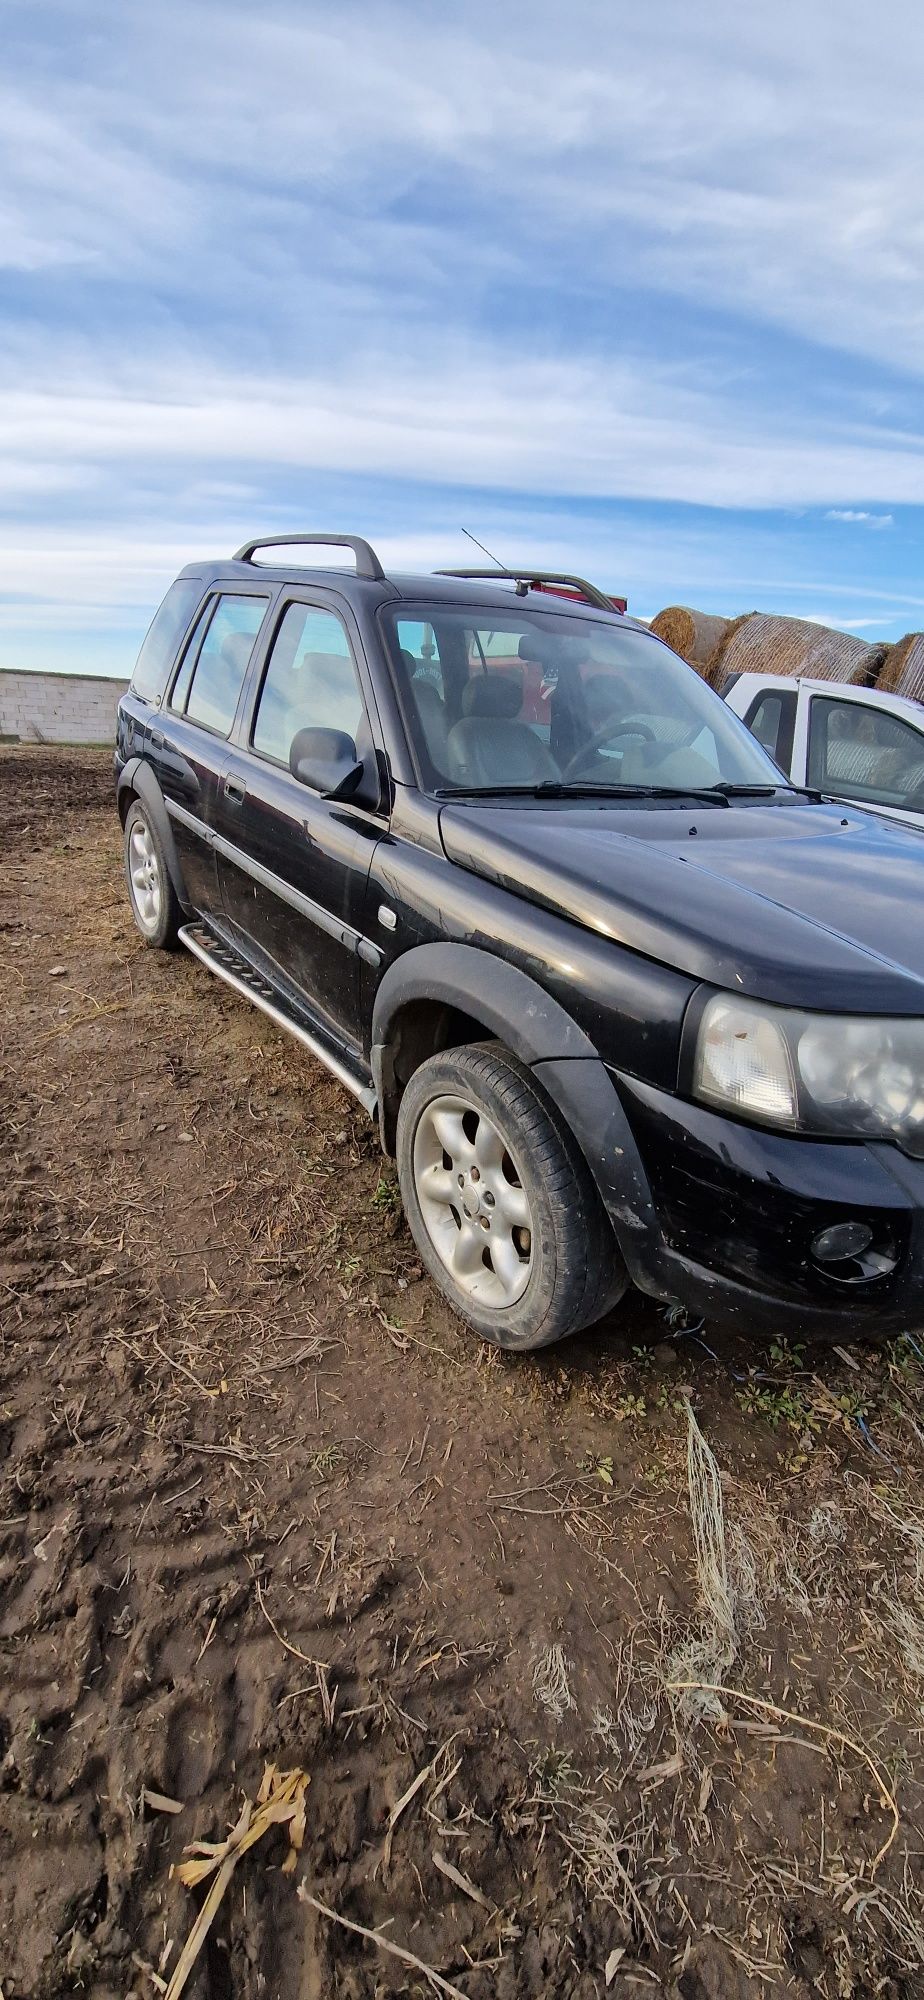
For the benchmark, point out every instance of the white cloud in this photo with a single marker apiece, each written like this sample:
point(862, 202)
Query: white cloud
point(859, 516)
point(76, 194)
point(459, 416)
point(848, 623)
point(250, 254)
point(765, 165)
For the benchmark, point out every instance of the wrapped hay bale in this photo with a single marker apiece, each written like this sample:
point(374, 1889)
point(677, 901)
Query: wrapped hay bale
point(695, 635)
point(793, 647)
point(902, 671)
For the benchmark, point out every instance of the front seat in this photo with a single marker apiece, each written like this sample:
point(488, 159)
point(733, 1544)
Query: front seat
point(431, 709)
point(432, 713)
point(489, 746)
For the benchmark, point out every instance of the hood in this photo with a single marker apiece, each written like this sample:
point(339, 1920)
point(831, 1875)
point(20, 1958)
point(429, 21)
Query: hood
point(806, 905)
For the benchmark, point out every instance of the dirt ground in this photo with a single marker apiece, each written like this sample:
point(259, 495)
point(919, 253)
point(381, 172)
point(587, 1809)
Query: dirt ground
point(262, 1499)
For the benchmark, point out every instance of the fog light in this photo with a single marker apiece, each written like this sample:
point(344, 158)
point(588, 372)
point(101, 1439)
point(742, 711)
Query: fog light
point(840, 1241)
point(845, 1254)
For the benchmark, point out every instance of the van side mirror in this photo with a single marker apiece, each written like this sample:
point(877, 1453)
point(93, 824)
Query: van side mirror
point(326, 760)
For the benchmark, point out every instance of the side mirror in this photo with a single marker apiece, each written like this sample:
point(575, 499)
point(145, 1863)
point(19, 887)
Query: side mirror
point(326, 760)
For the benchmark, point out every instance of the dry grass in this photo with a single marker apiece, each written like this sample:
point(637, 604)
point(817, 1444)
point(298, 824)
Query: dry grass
point(550, 1683)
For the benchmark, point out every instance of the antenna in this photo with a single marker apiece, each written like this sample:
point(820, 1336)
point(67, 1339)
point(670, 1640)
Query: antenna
point(486, 552)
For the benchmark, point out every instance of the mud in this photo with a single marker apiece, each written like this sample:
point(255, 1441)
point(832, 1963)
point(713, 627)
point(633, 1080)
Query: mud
point(263, 1498)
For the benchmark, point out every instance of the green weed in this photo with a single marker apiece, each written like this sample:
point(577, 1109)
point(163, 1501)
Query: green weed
point(782, 1405)
point(387, 1196)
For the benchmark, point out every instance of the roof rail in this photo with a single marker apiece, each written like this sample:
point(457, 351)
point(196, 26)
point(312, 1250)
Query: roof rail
point(367, 562)
point(533, 579)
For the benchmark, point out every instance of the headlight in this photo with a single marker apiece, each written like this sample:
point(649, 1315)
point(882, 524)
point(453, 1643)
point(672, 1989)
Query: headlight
point(845, 1074)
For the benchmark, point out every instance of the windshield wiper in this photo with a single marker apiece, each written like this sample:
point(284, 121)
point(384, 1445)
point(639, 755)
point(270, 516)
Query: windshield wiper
point(721, 794)
point(555, 788)
point(711, 793)
point(731, 791)
point(548, 788)
point(769, 791)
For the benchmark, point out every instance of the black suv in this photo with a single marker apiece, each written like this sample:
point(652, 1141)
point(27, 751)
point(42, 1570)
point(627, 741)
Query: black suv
point(625, 1004)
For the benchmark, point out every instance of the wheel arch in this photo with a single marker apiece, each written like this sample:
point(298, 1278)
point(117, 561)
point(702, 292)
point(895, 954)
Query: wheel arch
point(137, 781)
point(439, 996)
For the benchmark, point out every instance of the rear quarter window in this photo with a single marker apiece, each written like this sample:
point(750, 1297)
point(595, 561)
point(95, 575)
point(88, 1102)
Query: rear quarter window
point(167, 628)
point(165, 633)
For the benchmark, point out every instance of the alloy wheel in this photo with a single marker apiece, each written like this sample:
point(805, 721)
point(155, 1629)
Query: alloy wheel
point(472, 1201)
point(144, 875)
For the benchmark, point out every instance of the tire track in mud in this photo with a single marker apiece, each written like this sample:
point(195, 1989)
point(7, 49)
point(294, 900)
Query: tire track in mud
point(134, 1653)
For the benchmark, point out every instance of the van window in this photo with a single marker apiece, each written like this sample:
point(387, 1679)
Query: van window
point(861, 752)
point(765, 722)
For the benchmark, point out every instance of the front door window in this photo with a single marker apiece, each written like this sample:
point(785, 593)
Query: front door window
point(863, 753)
point(310, 683)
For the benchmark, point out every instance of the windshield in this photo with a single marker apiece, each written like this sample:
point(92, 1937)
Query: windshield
point(498, 701)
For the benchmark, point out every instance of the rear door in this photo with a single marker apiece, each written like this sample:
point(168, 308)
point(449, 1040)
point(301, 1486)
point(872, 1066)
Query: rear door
point(187, 740)
point(293, 867)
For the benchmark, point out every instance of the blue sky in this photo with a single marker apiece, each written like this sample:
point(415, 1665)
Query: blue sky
point(635, 291)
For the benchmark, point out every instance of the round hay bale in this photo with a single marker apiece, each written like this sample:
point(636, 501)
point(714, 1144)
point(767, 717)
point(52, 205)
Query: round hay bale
point(695, 635)
point(713, 671)
point(793, 648)
point(902, 671)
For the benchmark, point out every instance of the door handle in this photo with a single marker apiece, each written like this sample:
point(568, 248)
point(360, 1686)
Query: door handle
point(235, 791)
point(157, 739)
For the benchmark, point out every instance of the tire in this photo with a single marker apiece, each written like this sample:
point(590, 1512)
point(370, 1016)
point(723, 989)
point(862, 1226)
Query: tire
point(500, 1201)
point(151, 893)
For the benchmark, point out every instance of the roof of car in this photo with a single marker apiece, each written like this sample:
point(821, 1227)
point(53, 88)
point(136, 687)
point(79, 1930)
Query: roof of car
point(434, 587)
point(442, 589)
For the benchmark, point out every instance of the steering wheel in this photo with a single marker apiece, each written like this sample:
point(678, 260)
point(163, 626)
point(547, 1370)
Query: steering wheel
point(612, 728)
point(606, 732)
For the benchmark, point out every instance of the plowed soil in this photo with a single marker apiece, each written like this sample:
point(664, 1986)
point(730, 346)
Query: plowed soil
point(262, 1499)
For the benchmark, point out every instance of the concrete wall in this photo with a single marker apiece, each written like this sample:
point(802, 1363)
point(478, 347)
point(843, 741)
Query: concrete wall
point(58, 708)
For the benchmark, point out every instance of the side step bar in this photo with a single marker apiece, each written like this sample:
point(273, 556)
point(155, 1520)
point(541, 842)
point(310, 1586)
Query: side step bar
point(223, 960)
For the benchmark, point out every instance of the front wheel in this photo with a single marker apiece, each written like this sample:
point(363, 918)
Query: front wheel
point(500, 1201)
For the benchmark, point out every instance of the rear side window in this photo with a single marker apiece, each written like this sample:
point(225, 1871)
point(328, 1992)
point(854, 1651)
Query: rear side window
point(167, 628)
point(218, 674)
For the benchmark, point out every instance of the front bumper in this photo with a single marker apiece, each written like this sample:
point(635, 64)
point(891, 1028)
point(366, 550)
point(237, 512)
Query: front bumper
point(722, 1216)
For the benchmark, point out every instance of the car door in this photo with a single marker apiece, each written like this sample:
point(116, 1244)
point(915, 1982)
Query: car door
point(860, 751)
point(293, 866)
point(186, 741)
